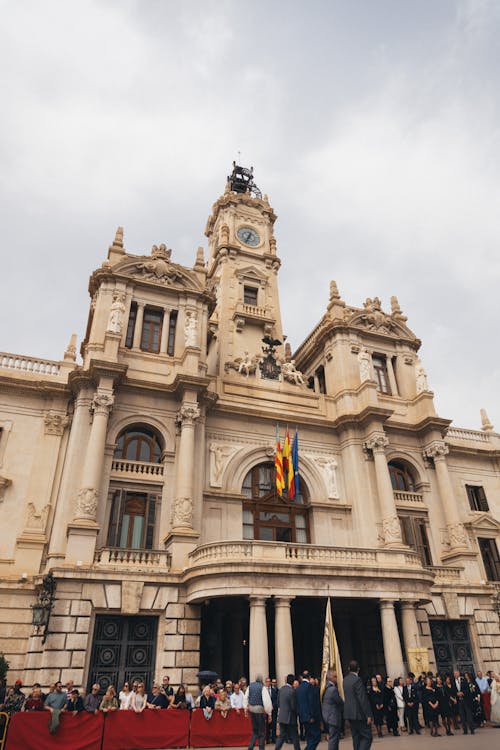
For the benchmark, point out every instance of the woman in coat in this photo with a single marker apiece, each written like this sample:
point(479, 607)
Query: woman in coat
point(376, 698)
point(431, 701)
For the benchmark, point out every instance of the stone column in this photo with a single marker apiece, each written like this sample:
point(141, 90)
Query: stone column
point(392, 647)
point(285, 662)
point(438, 450)
point(182, 517)
point(87, 497)
point(164, 330)
point(258, 660)
point(391, 528)
point(138, 326)
point(411, 635)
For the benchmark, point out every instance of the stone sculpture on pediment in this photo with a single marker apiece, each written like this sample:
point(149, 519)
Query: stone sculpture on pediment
point(291, 374)
point(245, 365)
point(36, 521)
point(116, 313)
point(220, 455)
point(159, 268)
point(374, 317)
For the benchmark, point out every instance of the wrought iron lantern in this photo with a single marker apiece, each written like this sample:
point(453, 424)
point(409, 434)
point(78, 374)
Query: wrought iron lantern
point(40, 612)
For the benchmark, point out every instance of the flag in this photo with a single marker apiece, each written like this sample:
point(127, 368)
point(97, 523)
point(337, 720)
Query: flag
point(295, 465)
point(331, 657)
point(288, 467)
point(278, 463)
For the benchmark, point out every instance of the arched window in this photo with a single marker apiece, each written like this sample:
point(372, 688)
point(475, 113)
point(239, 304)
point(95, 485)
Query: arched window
point(138, 444)
point(268, 517)
point(401, 477)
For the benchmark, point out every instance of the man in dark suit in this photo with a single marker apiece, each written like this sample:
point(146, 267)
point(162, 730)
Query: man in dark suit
point(332, 709)
point(410, 699)
point(273, 694)
point(357, 709)
point(287, 715)
point(308, 708)
point(464, 704)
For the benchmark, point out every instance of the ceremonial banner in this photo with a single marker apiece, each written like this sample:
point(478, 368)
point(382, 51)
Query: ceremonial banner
point(29, 730)
point(331, 656)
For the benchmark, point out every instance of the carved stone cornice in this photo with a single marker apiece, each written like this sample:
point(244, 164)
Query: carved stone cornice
point(437, 449)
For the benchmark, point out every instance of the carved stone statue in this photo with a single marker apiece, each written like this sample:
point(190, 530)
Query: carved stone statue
point(247, 365)
point(190, 328)
point(365, 364)
point(421, 378)
point(374, 317)
point(291, 374)
point(116, 313)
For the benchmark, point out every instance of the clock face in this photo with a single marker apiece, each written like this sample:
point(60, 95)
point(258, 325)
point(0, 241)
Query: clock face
point(248, 236)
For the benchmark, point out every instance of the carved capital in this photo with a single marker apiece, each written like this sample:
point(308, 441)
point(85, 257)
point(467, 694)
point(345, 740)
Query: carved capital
point(86, 503)
point(55, 423)
point(188, 413)
point(376, 443)
point(182, 516)
point(102, 403)
point(436, 449)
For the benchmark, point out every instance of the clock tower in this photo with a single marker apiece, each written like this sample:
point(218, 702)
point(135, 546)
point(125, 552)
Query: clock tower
point(242, 272)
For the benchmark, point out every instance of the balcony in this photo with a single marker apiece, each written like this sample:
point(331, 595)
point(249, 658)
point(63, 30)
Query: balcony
point(409, 499)
point(18, 364)
point(136, 470)
point(458, 433)
point(118, 558)
point(445, 574)
point(291, 555)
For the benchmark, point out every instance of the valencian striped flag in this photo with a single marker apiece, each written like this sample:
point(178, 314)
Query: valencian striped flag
point(331, 657)
point(295, 467)
point(278, 463)
point(288, 467)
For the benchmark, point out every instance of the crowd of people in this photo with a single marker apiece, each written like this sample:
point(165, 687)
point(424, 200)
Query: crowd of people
point(297, 710)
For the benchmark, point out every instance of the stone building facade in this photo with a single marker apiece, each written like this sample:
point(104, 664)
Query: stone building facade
point(142, 479)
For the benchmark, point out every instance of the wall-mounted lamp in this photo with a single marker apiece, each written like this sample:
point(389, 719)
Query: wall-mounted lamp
point(40, 612)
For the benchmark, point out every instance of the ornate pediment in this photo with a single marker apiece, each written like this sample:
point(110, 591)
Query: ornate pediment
point(373, 318)
point(481, 523)
point(158, 269)
point(250, 273)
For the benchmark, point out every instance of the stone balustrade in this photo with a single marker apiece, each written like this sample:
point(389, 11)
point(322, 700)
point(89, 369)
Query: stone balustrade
point(458, 433)
point(445, 573)
point(133, 559)
point(405, 498)
point(290, 554)
point(139, 469)
point(32, 365)
point(259, 312)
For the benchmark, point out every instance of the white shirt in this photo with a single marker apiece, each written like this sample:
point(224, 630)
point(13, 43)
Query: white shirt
point(125, 699)
point(236, 700)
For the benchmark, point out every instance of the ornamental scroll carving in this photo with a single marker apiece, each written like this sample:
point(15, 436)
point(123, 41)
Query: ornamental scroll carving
point(86, 503)
point(220, 455)
point(182, 516)
point(55, 423)
point(378, 441)
point(391, 529)
point(36, 520)
point(188, 413)
point(116, 313)
point(437, 449)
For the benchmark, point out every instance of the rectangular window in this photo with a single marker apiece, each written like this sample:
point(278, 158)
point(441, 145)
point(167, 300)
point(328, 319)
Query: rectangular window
point(491, 559)
point(381, 376)
point(129, 339)
point(132, 520)
point(477, 498)
point(320, 374)
point(172, 323)
point(250, 295)
point(151, 330)
point(247, 524)
point(414, 534)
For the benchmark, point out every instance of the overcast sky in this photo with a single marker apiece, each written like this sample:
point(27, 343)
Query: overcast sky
point(373, 125)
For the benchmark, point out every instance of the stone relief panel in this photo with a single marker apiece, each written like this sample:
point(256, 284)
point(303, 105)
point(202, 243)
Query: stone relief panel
point(182, 513)
point(327, 466)
point(220, 455)
point(36, 520)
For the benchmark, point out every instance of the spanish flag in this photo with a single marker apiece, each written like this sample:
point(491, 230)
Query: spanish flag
point(331, 657)
point(288, 467)
point(278, 463)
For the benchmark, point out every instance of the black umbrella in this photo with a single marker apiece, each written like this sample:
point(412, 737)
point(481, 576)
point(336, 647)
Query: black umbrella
point(207, 675)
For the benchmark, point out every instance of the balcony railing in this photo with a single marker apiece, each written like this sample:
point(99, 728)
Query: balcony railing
point(300, 554)
point(258, 312)
point(133, 559)
point(458, 433)
point(408, 497)
point(445, 573)
point(31, 365)
point(137, 469)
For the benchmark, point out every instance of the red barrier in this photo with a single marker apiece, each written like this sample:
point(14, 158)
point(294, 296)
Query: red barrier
point(126, 730)
point(233, 731)
point(29, 730)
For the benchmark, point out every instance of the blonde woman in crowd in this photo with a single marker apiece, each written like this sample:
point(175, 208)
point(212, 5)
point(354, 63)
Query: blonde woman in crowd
point(138, 700)
point(109, 701)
